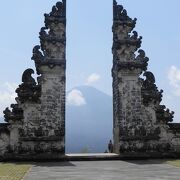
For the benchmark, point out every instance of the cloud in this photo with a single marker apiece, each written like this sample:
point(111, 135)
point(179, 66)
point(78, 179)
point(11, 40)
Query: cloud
point(92, 79)
point(7, 95)
point(174, 79)
point(75, 98)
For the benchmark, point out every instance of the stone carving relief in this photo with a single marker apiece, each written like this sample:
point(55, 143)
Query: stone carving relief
point(142, 122)
point(36, 124)
point(28, 90)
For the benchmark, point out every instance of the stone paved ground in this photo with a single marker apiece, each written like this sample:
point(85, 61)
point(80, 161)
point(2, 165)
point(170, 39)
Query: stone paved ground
point(104, 170)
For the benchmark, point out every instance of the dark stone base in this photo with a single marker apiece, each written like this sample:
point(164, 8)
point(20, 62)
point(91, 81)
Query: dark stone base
point(48, 157)
point(150, 155)
point(33, 157)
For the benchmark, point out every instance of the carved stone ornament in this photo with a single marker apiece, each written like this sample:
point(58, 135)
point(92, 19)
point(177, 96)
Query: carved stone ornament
point(142, 126)
point(15, 115)
point(28, 90)
point(150, 91)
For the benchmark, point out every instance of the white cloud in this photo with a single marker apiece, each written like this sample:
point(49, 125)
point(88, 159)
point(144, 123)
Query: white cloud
point(174, 79)
point(7, 95)
point(93, 78)
point(75, 98)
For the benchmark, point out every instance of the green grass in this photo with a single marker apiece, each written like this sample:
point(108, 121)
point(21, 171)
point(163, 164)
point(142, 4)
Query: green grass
point(12, 171)
point(174, 163)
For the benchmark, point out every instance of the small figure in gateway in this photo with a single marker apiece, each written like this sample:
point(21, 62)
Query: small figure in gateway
point(110, 147)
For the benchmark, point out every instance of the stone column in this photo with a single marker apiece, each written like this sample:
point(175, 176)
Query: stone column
point(125, 72)
point(50, 60)
point(53, 75)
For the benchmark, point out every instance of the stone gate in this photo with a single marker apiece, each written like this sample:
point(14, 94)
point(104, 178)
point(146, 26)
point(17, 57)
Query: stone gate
point(142, 126)
point(35, 125)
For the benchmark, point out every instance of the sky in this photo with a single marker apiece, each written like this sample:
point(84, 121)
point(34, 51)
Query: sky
point(89, 42)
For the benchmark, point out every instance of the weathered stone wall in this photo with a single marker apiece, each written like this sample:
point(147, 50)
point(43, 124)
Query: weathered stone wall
point(31, 121)
point(4, 139)
point(53, 104)
point(35, 126)
point(141, 124)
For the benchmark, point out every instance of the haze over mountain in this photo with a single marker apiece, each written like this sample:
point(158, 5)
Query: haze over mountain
point(89, 123)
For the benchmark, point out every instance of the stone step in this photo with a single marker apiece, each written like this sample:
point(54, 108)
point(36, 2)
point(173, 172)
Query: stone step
point(92, 156)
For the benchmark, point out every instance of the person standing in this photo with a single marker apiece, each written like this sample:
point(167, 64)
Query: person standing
point(110, 147)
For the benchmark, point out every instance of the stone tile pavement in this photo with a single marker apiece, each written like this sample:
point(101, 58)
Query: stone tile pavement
point(104, 170)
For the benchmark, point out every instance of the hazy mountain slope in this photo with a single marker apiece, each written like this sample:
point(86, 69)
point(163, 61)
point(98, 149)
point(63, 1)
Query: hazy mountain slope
point(89, 125)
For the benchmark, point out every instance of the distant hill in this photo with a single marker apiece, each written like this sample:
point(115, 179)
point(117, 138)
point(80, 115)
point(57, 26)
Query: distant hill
point(89, 127)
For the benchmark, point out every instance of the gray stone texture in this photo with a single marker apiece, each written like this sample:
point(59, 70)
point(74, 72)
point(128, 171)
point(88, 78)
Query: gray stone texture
point(35, 126)
point(141, 125)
